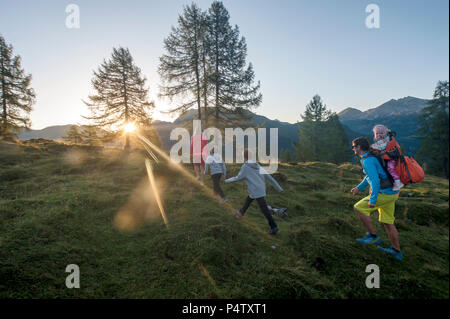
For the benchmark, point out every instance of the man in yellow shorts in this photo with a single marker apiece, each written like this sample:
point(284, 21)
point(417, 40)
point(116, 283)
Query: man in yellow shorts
point(381, 198)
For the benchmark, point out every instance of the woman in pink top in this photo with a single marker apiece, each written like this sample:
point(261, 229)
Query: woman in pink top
point(198, 154)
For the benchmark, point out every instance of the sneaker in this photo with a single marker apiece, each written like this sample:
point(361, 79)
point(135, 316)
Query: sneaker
point(281, 212)
point(397, 186)
point(238, 214)
point(369, 239)
point(223, 200)
point(273, 231)
point(396, 254)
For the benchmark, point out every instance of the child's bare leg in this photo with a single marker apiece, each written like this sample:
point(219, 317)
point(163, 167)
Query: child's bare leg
point(202, 171)
point(196, 168)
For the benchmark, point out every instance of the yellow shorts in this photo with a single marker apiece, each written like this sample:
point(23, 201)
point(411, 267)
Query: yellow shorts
point(385, 205)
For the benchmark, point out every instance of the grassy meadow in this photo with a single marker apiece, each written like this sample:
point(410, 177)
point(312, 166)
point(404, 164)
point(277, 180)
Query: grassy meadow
point(93, 207)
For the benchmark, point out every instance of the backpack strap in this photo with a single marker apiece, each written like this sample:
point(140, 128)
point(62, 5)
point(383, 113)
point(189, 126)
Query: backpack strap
point(394, 154)
point(384, 182)
point(380, 159)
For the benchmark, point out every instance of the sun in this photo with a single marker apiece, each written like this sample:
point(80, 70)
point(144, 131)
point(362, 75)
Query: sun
point(129, 127)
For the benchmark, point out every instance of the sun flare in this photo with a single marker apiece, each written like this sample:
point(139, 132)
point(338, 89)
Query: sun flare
point(129, 127)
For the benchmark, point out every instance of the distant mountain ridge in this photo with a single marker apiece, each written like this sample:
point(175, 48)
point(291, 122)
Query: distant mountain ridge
point(350, 113)
point(55, 132)
point(400, 115)
point(403, 106)
point(287, 132)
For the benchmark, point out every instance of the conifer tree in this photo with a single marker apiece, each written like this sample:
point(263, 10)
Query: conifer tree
point(336, 146)
point(121, 96)
point(16, 95)
point(91, 136)
point(321, 135)
point(309, 144)
point(73, 135)
point(232, 82)
point(183, 67)
point(316, 111)
point(434, 131)
point(306, 147)
point(286, 156)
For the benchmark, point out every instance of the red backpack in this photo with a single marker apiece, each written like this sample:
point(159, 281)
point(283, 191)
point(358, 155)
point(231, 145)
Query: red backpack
point(407, 168)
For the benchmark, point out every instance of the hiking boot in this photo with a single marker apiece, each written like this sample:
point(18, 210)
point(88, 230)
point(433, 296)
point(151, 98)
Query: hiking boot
point(273, 231)
point(369, 239)
point(396, 254)
point(222, 200)
point(238, 214)
point(397, 186)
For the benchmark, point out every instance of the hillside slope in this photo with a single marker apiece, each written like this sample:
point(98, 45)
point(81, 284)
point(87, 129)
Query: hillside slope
point(62, 204)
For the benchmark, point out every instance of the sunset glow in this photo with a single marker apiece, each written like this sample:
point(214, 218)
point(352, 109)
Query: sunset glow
point(129, 127)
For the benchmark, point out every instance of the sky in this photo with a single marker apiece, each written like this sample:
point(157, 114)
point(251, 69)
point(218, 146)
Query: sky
point(298, 48)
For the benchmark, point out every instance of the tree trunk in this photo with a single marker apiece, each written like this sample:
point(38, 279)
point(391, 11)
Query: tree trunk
point(197, 79)
point(445, 169)
point(125, 99)
point(217, 75)
point(205, 89)
point(3, 129)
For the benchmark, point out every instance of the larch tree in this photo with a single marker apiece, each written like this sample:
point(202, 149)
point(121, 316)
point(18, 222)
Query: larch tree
point(231, 80)
point(182, 68)
point(16, 95)
point(74, 135)
point(121, 96)
point(91, 136)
